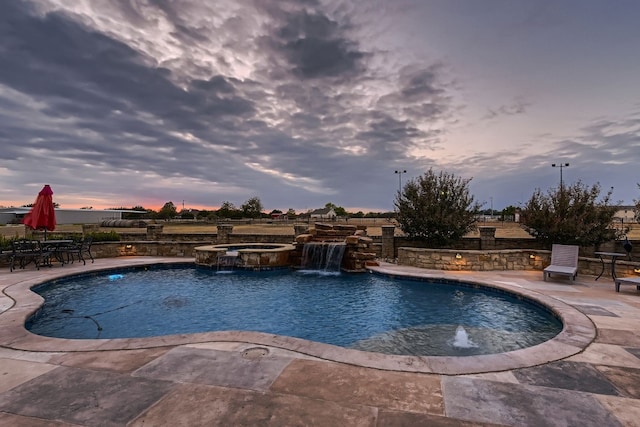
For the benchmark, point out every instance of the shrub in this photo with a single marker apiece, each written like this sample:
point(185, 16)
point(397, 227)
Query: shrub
point(105, 236)
point(436, 208)
point(570, 215)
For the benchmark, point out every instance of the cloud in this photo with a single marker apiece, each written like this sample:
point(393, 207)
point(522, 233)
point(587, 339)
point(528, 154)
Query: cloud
point(299, 102)
point(519, 106)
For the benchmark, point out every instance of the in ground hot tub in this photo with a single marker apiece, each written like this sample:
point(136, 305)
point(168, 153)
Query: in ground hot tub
point(250, 256)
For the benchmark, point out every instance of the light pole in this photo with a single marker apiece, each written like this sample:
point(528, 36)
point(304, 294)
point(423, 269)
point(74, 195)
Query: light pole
point(491, 198)
point(560, 165)
point(400, 172)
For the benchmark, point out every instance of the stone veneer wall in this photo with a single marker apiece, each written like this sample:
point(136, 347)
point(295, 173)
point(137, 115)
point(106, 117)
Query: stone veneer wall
point(496, 253)
point(512, 259)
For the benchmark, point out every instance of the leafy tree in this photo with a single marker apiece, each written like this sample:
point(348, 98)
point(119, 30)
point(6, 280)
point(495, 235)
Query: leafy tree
point(30, 205)
point(508, 213)
point(291, 213)
point(339, 210)
point(206, 214)
point(437, 208)
point(228, 210)
point(252, 208)
point(167, 211)
point(570, 215)
point(187, 214)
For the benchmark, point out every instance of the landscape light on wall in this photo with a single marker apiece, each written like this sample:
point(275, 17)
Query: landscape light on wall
point(128, 246)
point(532, 256)
point(458, 256)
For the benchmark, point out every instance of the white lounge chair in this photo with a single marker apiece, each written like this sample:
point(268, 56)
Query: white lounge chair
point(627, 281)
point(564, 261)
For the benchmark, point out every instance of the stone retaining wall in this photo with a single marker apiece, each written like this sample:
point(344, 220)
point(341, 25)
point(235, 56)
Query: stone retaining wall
point(513, 259)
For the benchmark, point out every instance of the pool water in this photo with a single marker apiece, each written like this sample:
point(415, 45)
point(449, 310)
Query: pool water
point(363, 311)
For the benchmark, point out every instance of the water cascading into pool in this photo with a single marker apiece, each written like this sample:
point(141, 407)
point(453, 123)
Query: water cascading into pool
point(321, 256)
point(461, 339)
point(229, 260)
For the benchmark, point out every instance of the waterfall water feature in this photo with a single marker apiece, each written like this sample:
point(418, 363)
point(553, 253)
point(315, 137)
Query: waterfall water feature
point(229, 259)
point(461, 339)
point(323, 256)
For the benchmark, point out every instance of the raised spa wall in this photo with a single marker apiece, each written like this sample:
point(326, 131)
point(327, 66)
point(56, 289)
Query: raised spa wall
point(252, 256)
point(266, 256)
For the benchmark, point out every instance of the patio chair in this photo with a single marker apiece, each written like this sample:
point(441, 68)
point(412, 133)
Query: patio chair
point(25, 252)
point(564, 261)
point(80, 249)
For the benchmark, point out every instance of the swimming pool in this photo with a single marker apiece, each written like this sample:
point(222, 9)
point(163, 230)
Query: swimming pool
point(363, 311)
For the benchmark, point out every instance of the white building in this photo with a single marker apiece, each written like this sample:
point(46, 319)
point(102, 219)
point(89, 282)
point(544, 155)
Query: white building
point(324, 213)
point(625, 214)
point(65, 216)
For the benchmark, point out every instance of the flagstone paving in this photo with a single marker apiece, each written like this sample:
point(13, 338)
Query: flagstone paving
point(588, 376)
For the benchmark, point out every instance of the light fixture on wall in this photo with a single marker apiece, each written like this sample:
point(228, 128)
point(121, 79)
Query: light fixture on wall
point(128, 247)
point(458, 256)
point(636, 270)
point(532, 256)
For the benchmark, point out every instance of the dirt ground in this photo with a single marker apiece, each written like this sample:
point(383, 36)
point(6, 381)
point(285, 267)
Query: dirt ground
point(374, 228)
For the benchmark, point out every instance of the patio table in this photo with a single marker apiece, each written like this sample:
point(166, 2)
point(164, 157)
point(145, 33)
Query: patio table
point(56, 247)
point(614, 256)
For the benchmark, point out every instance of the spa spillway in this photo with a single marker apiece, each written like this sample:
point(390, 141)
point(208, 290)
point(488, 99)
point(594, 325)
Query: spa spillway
point(248, 256)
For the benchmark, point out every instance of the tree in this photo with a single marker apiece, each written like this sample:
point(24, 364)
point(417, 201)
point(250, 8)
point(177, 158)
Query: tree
point(228, 210)
point(167, 211)
point(291, 213)
point(187, 214)
point(437, 208)
point(508, 213)
point(252, 208)
point(339, 210)
point(205, 214)
point(570, 215)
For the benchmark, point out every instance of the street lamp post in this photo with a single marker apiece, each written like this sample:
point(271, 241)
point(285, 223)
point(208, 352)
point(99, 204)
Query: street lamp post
point(400, 172)
point(491, 198)
point(560, 165)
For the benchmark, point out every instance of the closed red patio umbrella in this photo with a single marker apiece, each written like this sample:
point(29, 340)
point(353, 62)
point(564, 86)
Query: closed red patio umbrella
point(42, 215)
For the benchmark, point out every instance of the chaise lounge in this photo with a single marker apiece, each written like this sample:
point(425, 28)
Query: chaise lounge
point(627, 281)
point(564, 261)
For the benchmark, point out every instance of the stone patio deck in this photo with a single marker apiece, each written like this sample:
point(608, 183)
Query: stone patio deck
point(587, 376)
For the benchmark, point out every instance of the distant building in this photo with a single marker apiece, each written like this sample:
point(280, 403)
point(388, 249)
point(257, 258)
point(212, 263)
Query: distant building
point(625, 214)
point(324, 213)
point(65, 216)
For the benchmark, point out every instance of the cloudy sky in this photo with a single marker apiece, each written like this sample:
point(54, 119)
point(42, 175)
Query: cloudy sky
point(304, 102)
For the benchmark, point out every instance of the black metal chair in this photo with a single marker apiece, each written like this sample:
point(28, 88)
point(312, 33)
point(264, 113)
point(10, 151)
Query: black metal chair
point(25, 252)
point(80, 249)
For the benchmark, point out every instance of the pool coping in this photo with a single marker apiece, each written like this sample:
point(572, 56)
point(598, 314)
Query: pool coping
point(577, 333)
